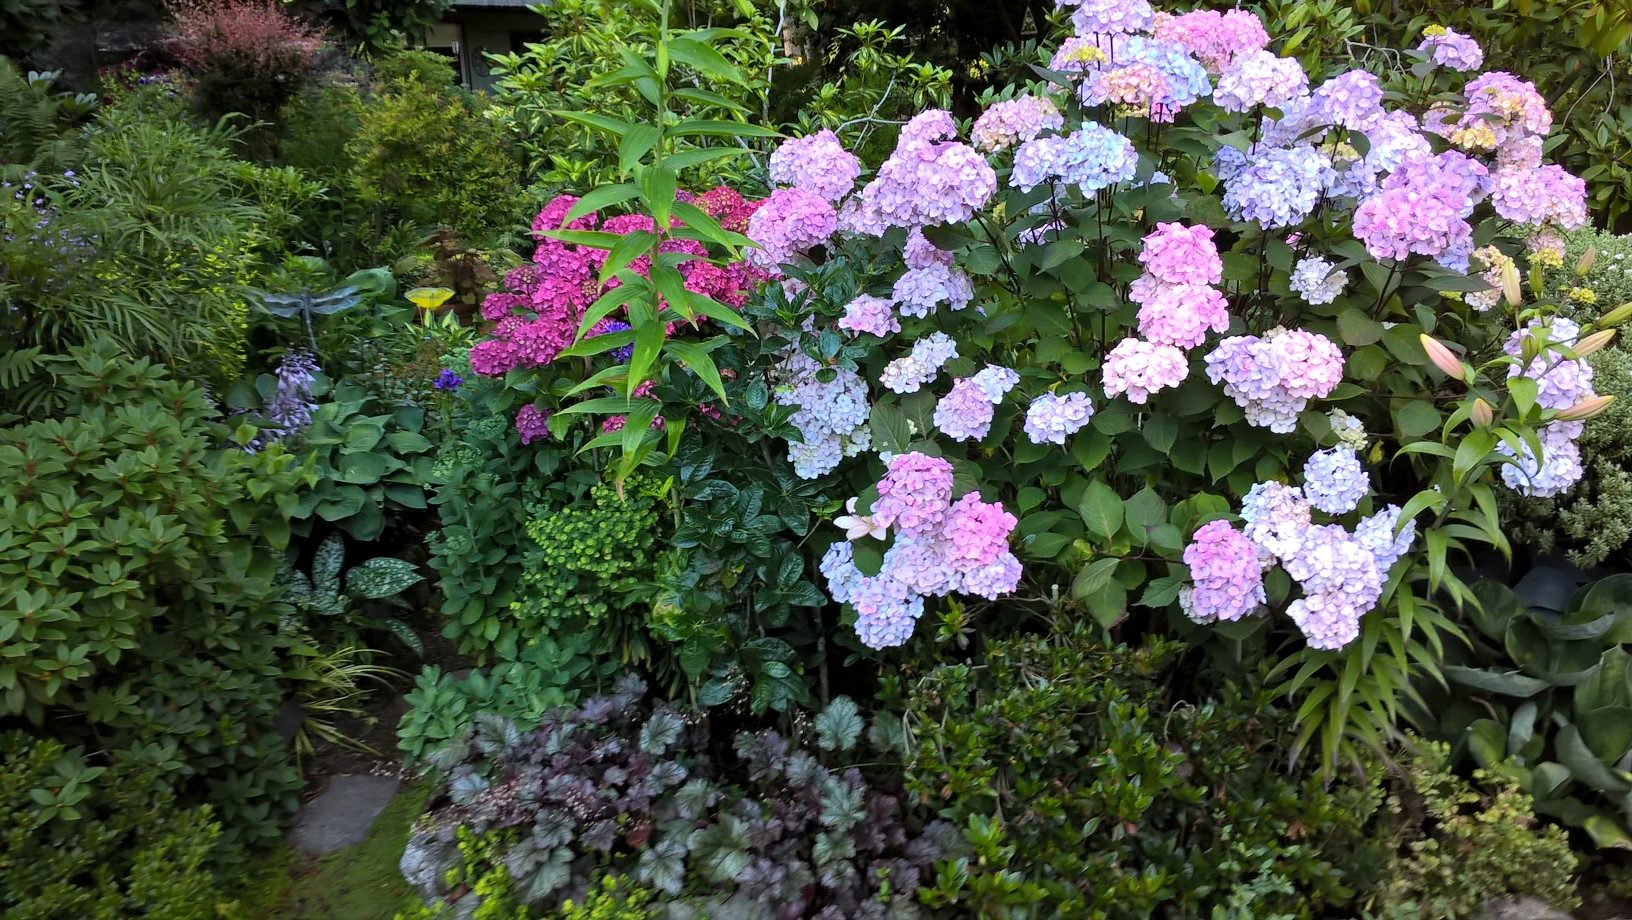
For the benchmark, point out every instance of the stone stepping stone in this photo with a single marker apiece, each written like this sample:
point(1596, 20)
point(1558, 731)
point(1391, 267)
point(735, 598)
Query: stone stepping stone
point(342, 814)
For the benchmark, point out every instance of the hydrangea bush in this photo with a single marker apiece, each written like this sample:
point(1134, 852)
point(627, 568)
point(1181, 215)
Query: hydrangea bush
point(1175, 332)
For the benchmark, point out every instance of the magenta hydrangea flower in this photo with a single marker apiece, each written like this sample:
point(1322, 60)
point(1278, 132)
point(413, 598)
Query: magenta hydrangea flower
point(532, 424)
point(1176, 254)
point(1413, 219)
point(869, 314)
point(1182, 314)
point(1011, 121)
point(1051, 418)
point(915, 493)
point(1138, 368)
point(977, 532)
point(1334, 480)
point(1257, 78)
point(790, 222)
point(1452, 49)
point(1226, 580)
point(818, 164)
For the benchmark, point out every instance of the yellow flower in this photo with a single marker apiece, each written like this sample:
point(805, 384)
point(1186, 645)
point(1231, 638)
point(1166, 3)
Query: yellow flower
point(429, 298)
point(1583, 295)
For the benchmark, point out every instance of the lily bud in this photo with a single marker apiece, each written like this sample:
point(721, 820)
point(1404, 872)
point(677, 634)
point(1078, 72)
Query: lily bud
point(1482, 413)
point(1585, 409)
point(1616, 316)
point(1593, 343)
point(1443, 358)
point(1511, 290)
point(1584, 264)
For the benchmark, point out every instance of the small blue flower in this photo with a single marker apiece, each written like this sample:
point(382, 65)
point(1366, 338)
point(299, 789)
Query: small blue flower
point(448, 380)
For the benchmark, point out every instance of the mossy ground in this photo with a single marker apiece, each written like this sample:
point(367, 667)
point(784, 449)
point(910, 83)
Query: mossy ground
point(357, 883)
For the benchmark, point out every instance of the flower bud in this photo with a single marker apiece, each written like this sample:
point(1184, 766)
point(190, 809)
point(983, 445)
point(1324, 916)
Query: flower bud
point(1616, 316)
point(1593, 343)
point(1584, 264)
point(1482, 414)
point(1511, 290)
point(1443, 358)
point(1585, 409)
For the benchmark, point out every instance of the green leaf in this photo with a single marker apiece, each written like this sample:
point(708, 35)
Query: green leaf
point(613, 126)
point(712, 128)
point(381, 577)
point(1356, 328)
point(1094, 577)
point(703, 58)
point(637, 142)
point(1101, 510)
point(658, 185)
point(604, 197)
point(1417, 418)
point(634, 244)
point(839, 725)
point(1507, 683)
point(697, 358)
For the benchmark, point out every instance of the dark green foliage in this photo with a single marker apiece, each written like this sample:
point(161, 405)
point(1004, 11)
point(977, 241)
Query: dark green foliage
point(329, 604)
point(98, 842)
point(545, 675)
point(1086, 793)
point(1454, 846)
point(1544, 696)
point(33, 117)
point(428, 154)
point(380, 24)
point(138, 597)
point(613, 785)
point(481, 477)
point(372, 463)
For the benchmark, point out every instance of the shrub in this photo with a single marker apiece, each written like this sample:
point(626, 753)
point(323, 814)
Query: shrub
point(430, 155)
point(1084, 791)
point(100, 842)
point(1075, 284)
point(611, 785)
point(142, 615)
point(1455, 846)
point(249, 56)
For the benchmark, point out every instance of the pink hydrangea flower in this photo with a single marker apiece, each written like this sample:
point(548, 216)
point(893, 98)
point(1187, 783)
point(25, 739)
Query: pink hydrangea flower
point(1176, 254)
point(1139, 368)
point(1227, 582)
point(915, 493)
point(818, 164)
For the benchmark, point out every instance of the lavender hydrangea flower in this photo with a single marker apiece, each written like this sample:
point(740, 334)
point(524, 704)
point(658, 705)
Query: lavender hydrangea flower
point(1227, 582)
point(909, 372)
point(1334, 480)
point(1273, 187)
point(1377, 533)
point(1259, 78)
point(1051, 418)
point(872, 315)
point(818, 164)
point(1452, 49)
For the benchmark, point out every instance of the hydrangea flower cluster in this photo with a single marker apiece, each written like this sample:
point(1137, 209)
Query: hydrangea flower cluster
point(532, 424)
point(818, 164)
point(1051, 418)
point(920, 291)
point(1215, 38)
point(929, 179)
point(940, 548)
point(1273, 378)
point(1138, 368)
point(832, 416)
point(1334, 481)
point(1341, 573)
point(1110, 17)
point(538, 314)
point(1273, 187)
point(869, 314)
point(1560, 383)
point(1257, 78)
point(1352, 100)
point(1177, 307)
point(929, 354)
point(1227, 581)
point(790, 222)
point(965, 414)
point(1011, 121)
point(1451, 49)
point(1318, 281)
point(1091, 158)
